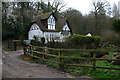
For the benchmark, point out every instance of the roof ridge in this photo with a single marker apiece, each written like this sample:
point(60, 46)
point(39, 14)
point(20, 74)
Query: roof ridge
point(42, 16)
point(45, 15)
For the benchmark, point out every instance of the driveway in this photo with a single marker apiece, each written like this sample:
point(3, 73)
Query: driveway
point(15, 67)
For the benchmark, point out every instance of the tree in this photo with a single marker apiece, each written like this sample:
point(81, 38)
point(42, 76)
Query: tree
point(58, 5)
point(17, 17)
point(0, 18)
point(7, 30)
point(22, 18)
point(75, 19)
point(90, 24)
point(115, 11)
point(99, 11)
point(55, 6)
point(116, 25)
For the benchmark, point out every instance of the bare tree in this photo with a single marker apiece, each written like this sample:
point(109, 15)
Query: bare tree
point(57, 6)
point(115, 11)
point(119, 8)
point(0, 21)
point(98, 10)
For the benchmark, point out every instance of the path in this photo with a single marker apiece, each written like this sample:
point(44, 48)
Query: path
point(15, 67)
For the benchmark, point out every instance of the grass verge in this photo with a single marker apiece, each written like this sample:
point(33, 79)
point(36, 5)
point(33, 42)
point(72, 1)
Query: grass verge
point(98, 73)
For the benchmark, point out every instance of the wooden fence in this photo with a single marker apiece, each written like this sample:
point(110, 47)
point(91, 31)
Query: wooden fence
point(13, 44)
point(42, 52)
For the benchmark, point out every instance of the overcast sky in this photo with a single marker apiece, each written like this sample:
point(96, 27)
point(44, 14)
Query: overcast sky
point(84, 6)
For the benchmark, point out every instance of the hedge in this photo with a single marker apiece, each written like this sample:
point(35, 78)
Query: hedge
point(77, 42)
point(85, 41)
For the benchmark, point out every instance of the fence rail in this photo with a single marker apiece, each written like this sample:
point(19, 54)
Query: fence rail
point(32, 51)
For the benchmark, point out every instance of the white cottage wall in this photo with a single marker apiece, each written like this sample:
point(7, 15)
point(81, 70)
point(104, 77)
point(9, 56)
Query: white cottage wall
point(35, 30)
point(49, 36)
point(66, 27)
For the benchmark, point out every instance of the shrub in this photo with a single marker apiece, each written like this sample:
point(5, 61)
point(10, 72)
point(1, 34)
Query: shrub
point(82, 41)
point(35, 41)
point(54, 44)
point(111, 38)
point(43, 40)
point(116, 25)
point(77, 42)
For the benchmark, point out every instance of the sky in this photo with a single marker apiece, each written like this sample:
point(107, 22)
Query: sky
point(84, 6)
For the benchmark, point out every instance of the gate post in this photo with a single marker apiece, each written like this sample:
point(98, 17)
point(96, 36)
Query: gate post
point(15, 45)
point(24, 49)
point(8, 43)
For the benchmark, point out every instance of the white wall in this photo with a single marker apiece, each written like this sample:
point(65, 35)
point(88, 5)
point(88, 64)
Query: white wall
point(49, 35)
point(35, 30)
point(66, 27)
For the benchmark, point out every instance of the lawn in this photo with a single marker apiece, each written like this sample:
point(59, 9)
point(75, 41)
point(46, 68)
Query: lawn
point(98, 73)
point(78, 71)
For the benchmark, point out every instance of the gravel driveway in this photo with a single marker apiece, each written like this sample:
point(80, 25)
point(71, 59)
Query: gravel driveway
point(15, 67)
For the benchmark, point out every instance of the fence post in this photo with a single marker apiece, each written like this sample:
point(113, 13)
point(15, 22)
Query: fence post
point(24, 49)
point(15, 45)
point(31, 51)
point(8, 43)
point(61, 60)
point(43, 56)
point(94, 61)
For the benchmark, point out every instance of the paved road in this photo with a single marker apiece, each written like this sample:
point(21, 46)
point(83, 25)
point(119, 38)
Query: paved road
point(15, 67)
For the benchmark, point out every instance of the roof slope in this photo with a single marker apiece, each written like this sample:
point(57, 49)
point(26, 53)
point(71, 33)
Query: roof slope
point(42, 16)
point(40, 20)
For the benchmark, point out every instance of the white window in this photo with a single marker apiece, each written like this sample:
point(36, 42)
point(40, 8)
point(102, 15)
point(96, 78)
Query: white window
point(51, 23)
point(51, 38)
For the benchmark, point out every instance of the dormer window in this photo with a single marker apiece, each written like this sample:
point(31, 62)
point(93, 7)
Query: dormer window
point(51, 23)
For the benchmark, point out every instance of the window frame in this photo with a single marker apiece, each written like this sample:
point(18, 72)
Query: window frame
point(51, 22)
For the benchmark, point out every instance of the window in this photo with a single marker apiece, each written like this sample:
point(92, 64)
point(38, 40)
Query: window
point(51, 37)
point(51, 23)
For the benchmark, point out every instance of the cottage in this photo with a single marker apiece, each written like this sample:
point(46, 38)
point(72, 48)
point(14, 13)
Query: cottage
point(50, 27)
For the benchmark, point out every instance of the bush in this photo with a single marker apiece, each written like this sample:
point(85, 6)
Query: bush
point(116, 25)
point(36, 42)
point(111, 38)
point(43, 40)
point(77, 41)
point(82, 41)
point(55, 44)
